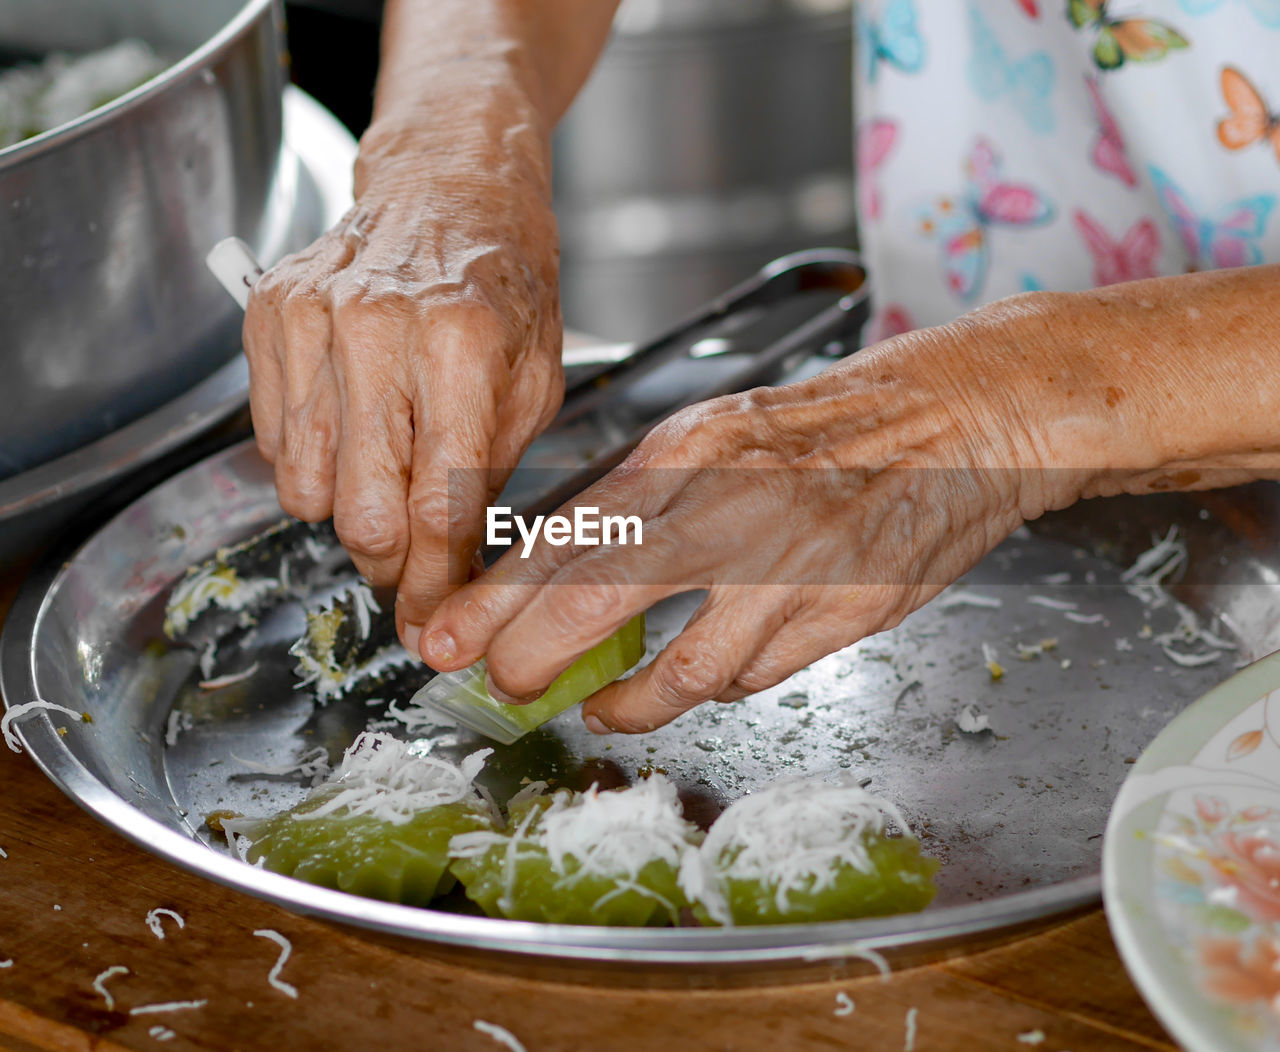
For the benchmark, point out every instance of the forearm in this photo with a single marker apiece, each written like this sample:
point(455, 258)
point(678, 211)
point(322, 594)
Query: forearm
point(457, 77)
point(1171, 383)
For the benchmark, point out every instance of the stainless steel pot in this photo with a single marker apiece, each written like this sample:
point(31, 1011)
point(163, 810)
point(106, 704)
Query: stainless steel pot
point(106, 310)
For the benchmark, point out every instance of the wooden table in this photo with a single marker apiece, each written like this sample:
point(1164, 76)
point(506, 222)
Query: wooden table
point(74, 898)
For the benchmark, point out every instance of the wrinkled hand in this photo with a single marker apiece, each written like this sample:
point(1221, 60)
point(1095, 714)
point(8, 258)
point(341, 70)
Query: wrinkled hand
point(813, 515)
point(421, 334)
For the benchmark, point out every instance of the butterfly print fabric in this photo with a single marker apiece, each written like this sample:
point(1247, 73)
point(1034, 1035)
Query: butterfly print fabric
point(1062, 144)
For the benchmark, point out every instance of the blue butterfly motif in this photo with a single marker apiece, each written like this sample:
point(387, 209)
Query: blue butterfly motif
point(1228, 240)
point(1028, 82)
point(1265, 11)
point(961, 224)
point(895, 39)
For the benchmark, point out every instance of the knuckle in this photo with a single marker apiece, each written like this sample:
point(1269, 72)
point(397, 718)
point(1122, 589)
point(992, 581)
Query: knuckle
point(689, 677)
point(756, 678)
point(693, 434)
point(430, 509)
point(371, 532)
point(305, 501)
point(590, 604)
point(359, 303)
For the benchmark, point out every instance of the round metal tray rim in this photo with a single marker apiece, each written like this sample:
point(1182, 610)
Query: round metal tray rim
point(681, 946)
point(676, 947)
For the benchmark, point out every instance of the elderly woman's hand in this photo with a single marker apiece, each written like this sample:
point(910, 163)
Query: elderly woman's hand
point(421, 334)
point(813, 514)
point(822, 512)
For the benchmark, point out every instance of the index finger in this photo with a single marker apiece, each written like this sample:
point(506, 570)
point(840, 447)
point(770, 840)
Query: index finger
point(450, 484)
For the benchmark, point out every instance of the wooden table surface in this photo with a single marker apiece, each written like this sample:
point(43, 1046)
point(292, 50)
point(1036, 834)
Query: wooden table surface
point(74, 898)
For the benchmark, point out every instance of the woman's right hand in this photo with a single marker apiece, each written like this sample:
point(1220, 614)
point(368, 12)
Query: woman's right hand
point(402, 364)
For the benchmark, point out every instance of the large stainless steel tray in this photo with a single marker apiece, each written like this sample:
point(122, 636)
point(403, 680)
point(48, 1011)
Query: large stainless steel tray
point(1016, 815)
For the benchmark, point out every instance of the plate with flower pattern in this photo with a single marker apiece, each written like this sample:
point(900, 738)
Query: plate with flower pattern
point(1191, 868)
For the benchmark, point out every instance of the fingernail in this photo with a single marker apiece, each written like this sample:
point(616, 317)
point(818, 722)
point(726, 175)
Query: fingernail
point(596, 725)
point(440, 648)
point(500, 695)
point(412, 634)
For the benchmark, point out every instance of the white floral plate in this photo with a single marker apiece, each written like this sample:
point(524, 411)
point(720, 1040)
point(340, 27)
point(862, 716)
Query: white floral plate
point(1191, 868)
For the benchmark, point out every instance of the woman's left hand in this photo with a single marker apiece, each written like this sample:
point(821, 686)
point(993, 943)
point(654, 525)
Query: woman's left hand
point(813, 515)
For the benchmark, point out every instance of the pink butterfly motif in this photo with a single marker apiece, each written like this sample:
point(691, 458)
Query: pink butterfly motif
point(1130, 258)
point(892, 320)
point(1108, 151)
point(876, 139)
point(960, 224)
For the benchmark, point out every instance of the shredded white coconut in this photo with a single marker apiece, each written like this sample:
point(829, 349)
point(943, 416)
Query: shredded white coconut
point(963, 597)
point(1084, 619)
point(286, 948)
point(1052, 604)
point(178, 723)
point(1145, 578)
point(154, 923)
point(909, 1042)
point(393, 781)
point(213, 584)
point(852, 949)
point(1207, 657)
point(313, 764)
point(1189, 632)
point(327, 681)
point(1032, 1037)
point(844, 1004)
point(365, 607)
point(100, 983)
point(162, 1033)
point(794, 835)
point(613, 834)
point(227, 680)
point(1063, 577)
point(3, 853)
point(208, 659)
point(1164, 556)
point(971, 721)
point(991, 657)
point(7, 963)
point(10, 736)
point(500, 1034)
point(168, 1006)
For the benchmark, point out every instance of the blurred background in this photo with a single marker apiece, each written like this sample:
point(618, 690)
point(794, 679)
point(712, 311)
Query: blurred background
point(713, 136)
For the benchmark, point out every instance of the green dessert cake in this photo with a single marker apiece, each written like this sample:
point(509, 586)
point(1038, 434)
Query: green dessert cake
point(807, 850)
point(605, 858)
point(380, 827)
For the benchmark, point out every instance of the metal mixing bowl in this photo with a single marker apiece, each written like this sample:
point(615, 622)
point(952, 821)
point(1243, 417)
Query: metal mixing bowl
point(106, 309)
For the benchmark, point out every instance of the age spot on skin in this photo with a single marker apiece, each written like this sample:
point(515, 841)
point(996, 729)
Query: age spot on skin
point(1178, 480)
point(1114, 397)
